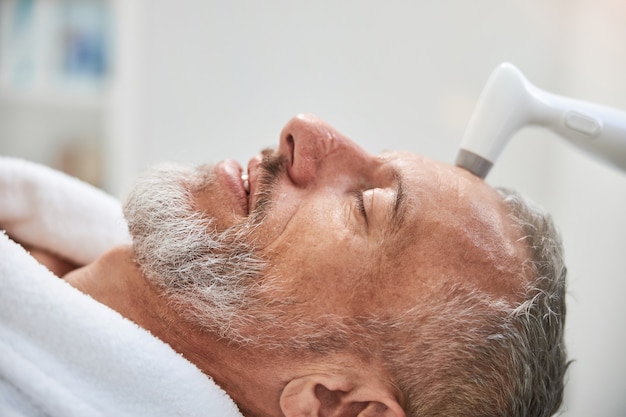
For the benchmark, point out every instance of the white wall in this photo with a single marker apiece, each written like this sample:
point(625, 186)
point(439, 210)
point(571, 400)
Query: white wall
point(218, 79)
point(406, 72)
point(590, 202)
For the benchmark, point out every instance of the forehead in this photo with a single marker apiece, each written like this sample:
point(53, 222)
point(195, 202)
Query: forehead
point(456, 229)
point(431, 172)
point(453, 190)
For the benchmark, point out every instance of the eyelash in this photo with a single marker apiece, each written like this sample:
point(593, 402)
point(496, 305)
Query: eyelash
point(360, 204)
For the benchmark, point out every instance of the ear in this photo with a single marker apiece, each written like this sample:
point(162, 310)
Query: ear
point(321, 395)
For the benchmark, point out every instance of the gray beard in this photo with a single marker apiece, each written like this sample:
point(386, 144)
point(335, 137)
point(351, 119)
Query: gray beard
point(217, 280)
point(212, 277)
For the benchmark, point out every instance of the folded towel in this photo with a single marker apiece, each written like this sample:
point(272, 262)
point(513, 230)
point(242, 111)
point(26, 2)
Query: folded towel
point(61, 352)
point(51, 210)
point(64, 354)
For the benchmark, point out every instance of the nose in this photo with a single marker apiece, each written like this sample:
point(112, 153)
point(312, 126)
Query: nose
point(313, 149)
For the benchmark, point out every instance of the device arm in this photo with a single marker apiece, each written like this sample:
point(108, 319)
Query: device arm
point(510, 102)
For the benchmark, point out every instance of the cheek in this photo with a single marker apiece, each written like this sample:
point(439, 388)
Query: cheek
point(319, 263)
point(217, 204)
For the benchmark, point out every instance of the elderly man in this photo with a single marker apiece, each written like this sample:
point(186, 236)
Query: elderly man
point(320, 281)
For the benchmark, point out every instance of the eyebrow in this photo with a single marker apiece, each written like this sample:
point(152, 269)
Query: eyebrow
point(400, 203)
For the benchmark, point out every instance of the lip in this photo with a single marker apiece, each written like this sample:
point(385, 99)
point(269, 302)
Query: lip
point(228, 173)
point(253, 174)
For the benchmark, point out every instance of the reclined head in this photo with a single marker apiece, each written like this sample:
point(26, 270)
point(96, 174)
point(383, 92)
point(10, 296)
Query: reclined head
point(448, 293)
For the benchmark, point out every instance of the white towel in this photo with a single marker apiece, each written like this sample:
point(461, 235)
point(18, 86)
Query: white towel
point(51, 210)
point(61, 352)
point(64, 354)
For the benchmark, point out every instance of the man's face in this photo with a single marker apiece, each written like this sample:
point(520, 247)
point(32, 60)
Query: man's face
point(326, 232)
point(350, 233)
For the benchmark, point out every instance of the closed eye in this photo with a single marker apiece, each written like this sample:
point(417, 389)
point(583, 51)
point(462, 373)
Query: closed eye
point(360, 205)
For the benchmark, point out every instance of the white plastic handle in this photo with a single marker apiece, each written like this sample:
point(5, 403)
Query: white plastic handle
point(510, 102)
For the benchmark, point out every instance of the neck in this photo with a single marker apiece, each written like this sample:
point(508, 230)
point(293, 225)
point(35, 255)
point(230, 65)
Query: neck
point(249, 376)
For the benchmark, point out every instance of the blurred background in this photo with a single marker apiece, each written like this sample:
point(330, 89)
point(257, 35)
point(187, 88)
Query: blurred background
point(103, 88)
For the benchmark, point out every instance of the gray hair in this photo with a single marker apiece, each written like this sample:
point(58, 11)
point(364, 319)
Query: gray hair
point(209, 275)
point(472, 355)
point(463, 353)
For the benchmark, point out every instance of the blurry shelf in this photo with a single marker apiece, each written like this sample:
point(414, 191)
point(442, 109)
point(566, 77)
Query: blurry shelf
point(53, 98)
point(55, 54)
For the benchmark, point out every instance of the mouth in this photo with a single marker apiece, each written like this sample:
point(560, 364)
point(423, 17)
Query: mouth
point(246, 183)
point(236, 185)
point(245, 180)
point(240, 183)
point(244, 197)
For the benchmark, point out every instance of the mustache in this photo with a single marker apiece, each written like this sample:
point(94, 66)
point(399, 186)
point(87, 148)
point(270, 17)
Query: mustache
point(271, 169)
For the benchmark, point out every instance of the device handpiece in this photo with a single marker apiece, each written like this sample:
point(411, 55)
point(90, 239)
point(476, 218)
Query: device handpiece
point(510, 102)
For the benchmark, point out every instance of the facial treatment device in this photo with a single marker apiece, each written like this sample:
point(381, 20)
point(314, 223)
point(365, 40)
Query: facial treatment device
point(510, 102)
